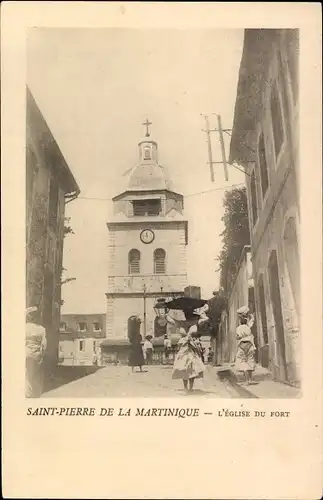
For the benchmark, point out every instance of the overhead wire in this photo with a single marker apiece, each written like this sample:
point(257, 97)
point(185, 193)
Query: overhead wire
point(232, 186)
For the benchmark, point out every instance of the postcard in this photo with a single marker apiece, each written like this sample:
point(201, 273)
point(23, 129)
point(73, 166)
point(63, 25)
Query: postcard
point(162, 293)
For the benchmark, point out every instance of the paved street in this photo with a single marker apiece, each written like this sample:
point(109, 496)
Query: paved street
point(156, 381)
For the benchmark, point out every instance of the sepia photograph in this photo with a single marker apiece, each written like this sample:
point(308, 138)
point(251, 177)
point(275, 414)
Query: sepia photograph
point(162, 213)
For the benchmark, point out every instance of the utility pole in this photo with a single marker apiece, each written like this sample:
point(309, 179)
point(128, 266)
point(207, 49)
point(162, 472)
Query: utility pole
point(224, 160)
point(220, 130)
point(208, 140)
point(145, 314)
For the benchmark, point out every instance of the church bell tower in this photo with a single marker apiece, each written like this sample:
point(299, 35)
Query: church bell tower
point(148, 236)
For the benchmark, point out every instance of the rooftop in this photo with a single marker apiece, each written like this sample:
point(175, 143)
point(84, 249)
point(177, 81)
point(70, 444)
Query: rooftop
point(38, 125)
point(147, 177)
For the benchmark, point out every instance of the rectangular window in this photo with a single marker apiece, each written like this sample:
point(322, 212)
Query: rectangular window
point(82, 345)
point(277, 119)
point(147, 207)
point(81, 327)
point(263, 165)
point(97, 327)
point(253, 192)
point(53, 204)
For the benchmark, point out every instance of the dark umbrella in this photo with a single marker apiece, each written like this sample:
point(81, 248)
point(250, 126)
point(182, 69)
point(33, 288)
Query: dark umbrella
point(187, 305)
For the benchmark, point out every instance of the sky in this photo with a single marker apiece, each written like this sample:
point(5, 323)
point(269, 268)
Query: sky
point(94, 88)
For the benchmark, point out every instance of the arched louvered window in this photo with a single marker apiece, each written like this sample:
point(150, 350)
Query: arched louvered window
point(134, 261)
point(159, 261)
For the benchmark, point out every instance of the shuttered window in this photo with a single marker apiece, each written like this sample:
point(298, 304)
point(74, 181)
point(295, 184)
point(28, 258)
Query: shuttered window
point(159, 261)
point(134, 261)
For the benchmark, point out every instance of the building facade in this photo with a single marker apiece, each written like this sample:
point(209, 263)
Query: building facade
point(148, 235)
point(80, 337)
point(49, 186)
point(241, 293)
point(265, 141)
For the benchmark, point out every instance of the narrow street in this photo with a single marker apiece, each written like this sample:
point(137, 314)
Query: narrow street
point(155, 381)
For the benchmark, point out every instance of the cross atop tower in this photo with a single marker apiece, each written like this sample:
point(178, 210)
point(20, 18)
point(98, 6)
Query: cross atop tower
point(147, 123)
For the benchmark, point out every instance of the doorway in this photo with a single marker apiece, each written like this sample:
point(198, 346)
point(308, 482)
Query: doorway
point(275, 297)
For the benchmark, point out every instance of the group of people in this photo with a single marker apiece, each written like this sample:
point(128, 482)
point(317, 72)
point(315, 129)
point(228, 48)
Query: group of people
point(189, 362)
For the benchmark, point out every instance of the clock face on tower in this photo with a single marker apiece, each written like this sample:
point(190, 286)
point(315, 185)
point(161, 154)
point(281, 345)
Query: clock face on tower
point(147, 236)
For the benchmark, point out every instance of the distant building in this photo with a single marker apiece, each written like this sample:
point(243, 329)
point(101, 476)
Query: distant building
point(148, 235)
point(80, 337)
point(192, 291)
point(265, 141)
point(49, 186)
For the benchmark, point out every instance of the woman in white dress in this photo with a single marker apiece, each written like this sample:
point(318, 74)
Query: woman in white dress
point(188, 364)
point(245, 358)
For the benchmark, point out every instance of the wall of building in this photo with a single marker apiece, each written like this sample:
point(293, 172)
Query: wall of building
point(78, 352)
point(170, 236)
point(273, 240)
point(277, 225)
point(44, 233)
point(81, 347)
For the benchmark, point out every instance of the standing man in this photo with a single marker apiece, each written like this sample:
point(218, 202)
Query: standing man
point(148, 350)
point(35, 350)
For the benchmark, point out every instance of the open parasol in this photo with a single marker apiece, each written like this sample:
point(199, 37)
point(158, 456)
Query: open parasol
point(186, 304)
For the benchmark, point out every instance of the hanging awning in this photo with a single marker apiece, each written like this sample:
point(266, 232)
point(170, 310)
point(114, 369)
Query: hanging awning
point(159, 341)
point(115, 342)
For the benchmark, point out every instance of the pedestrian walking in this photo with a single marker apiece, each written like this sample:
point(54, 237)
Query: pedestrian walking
point(136, 357)
point(245, 358)
point(167, 347)
point(188, 364)
point(35, 350)
point(148, 350)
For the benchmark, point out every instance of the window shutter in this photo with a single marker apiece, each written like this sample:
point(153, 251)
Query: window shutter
point(159, 261)
point(134, 262)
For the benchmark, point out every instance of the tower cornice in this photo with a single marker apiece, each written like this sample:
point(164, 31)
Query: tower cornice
point(145, 191)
